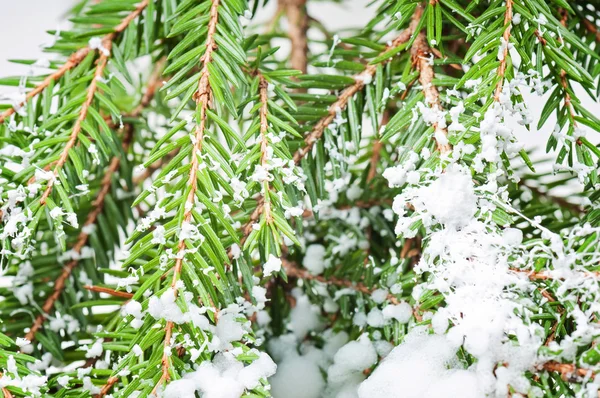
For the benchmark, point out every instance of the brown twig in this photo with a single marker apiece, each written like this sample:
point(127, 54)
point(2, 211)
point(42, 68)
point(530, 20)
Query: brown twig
point(97, 205)
point(107, 290)
point(91, 92)
point(508, 14)
point(543, 276)
point(82, 239)
point(337, 106)
point(203, 98)
point(568, 371)
point(5, 392)
point(421, 54)
point(293, 270)
point(107, 387)
point(297, 17)
point(264, 144)
point(74, 60)
point(377, 147)
point(593, 29)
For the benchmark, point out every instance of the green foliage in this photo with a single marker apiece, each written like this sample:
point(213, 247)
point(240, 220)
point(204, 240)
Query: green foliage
point(173, 152)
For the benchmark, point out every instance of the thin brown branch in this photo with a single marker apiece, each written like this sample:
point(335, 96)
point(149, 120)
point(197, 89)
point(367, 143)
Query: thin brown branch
point(91, 92)
point(560, 201)
point(74, 60)
point(377, 147)
point(337, 106)
point(422, 57)
point(508, 15)
point(298, 26)
point(82, 239)
point(543, 276)
point(593, 29)
point(107, 387)
point(264, 144)
point(97, 205)
point(5, 392)
point(293, 270)
point(349, 92)
point(203, 99)
point(107, 290)
point(568, 371)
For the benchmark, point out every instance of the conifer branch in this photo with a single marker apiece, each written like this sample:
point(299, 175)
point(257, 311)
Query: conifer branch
point(293, 270)
point(508, 15)
point(337, 106)
point(74, 60)
point(202, 97)
point(263, 86)
point(421, 54)
point(349, 92)
point(91, 92)
point(82, 240)
point(98, 204)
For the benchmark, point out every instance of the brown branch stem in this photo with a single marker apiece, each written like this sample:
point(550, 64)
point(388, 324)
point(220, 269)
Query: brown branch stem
point(82, 240)
point(203, 98)
point(107, 290)
point(339, 105)
point(421, 53)
point(508, 15)
point(297, 17)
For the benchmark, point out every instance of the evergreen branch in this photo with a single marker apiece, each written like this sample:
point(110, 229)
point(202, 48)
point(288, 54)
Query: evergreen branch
point(98, 204)
point(78, 124)
point(421, 54)
point(339, 105)
point(202, 97)
point(112, 292)
point(360, 79)
point(74, 60)
point(264, 144)
point(82, 240)
point(508, 15)
point(293, 270)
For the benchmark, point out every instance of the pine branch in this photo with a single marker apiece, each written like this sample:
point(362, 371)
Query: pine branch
point(420, 54)
point(293, 270)
point(98, 204)
point(338, 105)
point(82, 240)
point(349, 92)
point(508, 15)
point(91, 92)
point(75, 59)
point(202, 97)
point(264, 145)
